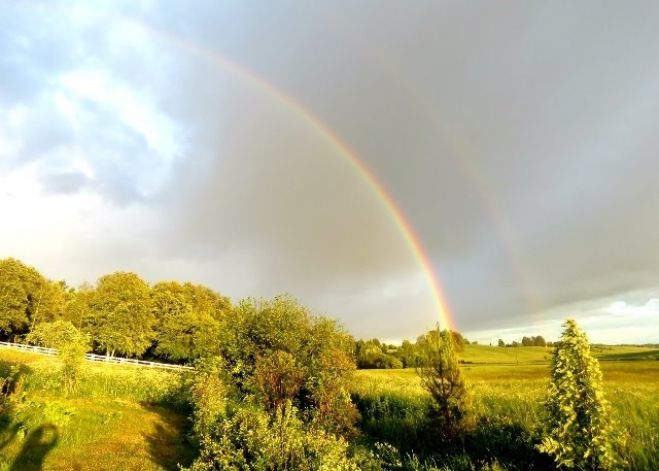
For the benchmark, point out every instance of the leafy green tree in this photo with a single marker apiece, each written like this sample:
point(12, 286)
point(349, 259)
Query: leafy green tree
point(539, 341)
point(579, 432)
point(26, 297)
point(501, 343)
point(187, 319)
point(71, 345)
point(120, 317)
point(284, 330)
point(374, 354)
point(441, 375)
point(408, 354)
point(77, 304)
point(286, 403)
point(206, 302)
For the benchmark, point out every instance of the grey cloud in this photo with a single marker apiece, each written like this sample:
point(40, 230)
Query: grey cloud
point(520, 141)
point(65, 183)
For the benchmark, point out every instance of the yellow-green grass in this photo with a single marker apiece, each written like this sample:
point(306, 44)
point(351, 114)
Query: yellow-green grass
point(120, 418)
point(511, 397)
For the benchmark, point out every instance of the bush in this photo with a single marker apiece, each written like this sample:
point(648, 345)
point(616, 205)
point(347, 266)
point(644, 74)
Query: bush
point(208, 396)
point(71, 345)
point(277, 351)
point(251, 439)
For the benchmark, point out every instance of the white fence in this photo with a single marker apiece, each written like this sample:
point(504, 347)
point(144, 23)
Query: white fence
point(94, 357)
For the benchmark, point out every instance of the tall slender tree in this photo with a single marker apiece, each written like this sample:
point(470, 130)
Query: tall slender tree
point(579, 432)
point(441, 375)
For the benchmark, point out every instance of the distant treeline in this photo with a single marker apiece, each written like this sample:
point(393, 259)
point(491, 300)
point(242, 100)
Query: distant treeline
point(537, 341)
point(376, 354)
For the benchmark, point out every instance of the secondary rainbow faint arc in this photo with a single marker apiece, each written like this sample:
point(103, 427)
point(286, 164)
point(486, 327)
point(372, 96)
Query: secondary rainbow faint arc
point(446, 319)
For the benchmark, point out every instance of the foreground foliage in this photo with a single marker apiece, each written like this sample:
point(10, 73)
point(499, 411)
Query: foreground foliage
point(249, 438)
point(275, 396)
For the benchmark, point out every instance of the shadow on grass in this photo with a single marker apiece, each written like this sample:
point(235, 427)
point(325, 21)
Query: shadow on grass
point(36, 447)
point(169, 444)
point(10, 385)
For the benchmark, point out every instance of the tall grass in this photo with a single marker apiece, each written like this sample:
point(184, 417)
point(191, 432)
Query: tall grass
point(139, 384)
point(507, 414)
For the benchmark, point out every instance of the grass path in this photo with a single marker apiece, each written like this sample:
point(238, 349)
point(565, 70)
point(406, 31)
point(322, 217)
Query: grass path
point(101, 428)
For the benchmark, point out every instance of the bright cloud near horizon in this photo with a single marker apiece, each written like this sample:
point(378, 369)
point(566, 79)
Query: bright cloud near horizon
point(181, 141)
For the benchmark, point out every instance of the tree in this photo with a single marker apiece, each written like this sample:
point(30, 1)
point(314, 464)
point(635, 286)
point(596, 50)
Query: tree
point(283, 334)
point(120, 318)
point(374, 354)
point(77, 304)
point(441, 375)
point(279, 379)
point(459, 341)
point(501, 343)
point(26, 297)
point(186, 316)
point(206, 302)
point(579, 432)
point(527, 342)
point(71, 345)
point(408, 354)
point(539, 341)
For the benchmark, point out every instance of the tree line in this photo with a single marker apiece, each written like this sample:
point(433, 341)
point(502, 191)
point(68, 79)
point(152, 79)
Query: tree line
point(121, 313)
point(374, 354)
point(537, 341)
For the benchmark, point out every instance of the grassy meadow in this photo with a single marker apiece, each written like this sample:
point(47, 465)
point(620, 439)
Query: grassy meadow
point(121, 418)
point(507, 389)
point(129, 418)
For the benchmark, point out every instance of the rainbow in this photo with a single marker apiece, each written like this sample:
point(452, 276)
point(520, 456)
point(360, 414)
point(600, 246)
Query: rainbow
point(445, 317)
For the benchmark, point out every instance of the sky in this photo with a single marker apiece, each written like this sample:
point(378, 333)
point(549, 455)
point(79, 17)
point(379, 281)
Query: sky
point(206, 141)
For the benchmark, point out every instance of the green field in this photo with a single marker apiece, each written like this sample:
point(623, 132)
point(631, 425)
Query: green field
point(507, 408)
point(539, 355)
point(129, 418)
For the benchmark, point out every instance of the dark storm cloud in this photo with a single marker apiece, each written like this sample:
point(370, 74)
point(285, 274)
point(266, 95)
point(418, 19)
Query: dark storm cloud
point(519, 139)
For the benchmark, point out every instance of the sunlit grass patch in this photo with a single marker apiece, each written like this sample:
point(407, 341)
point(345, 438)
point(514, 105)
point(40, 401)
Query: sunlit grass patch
point(121, 417)
point(507, 405)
